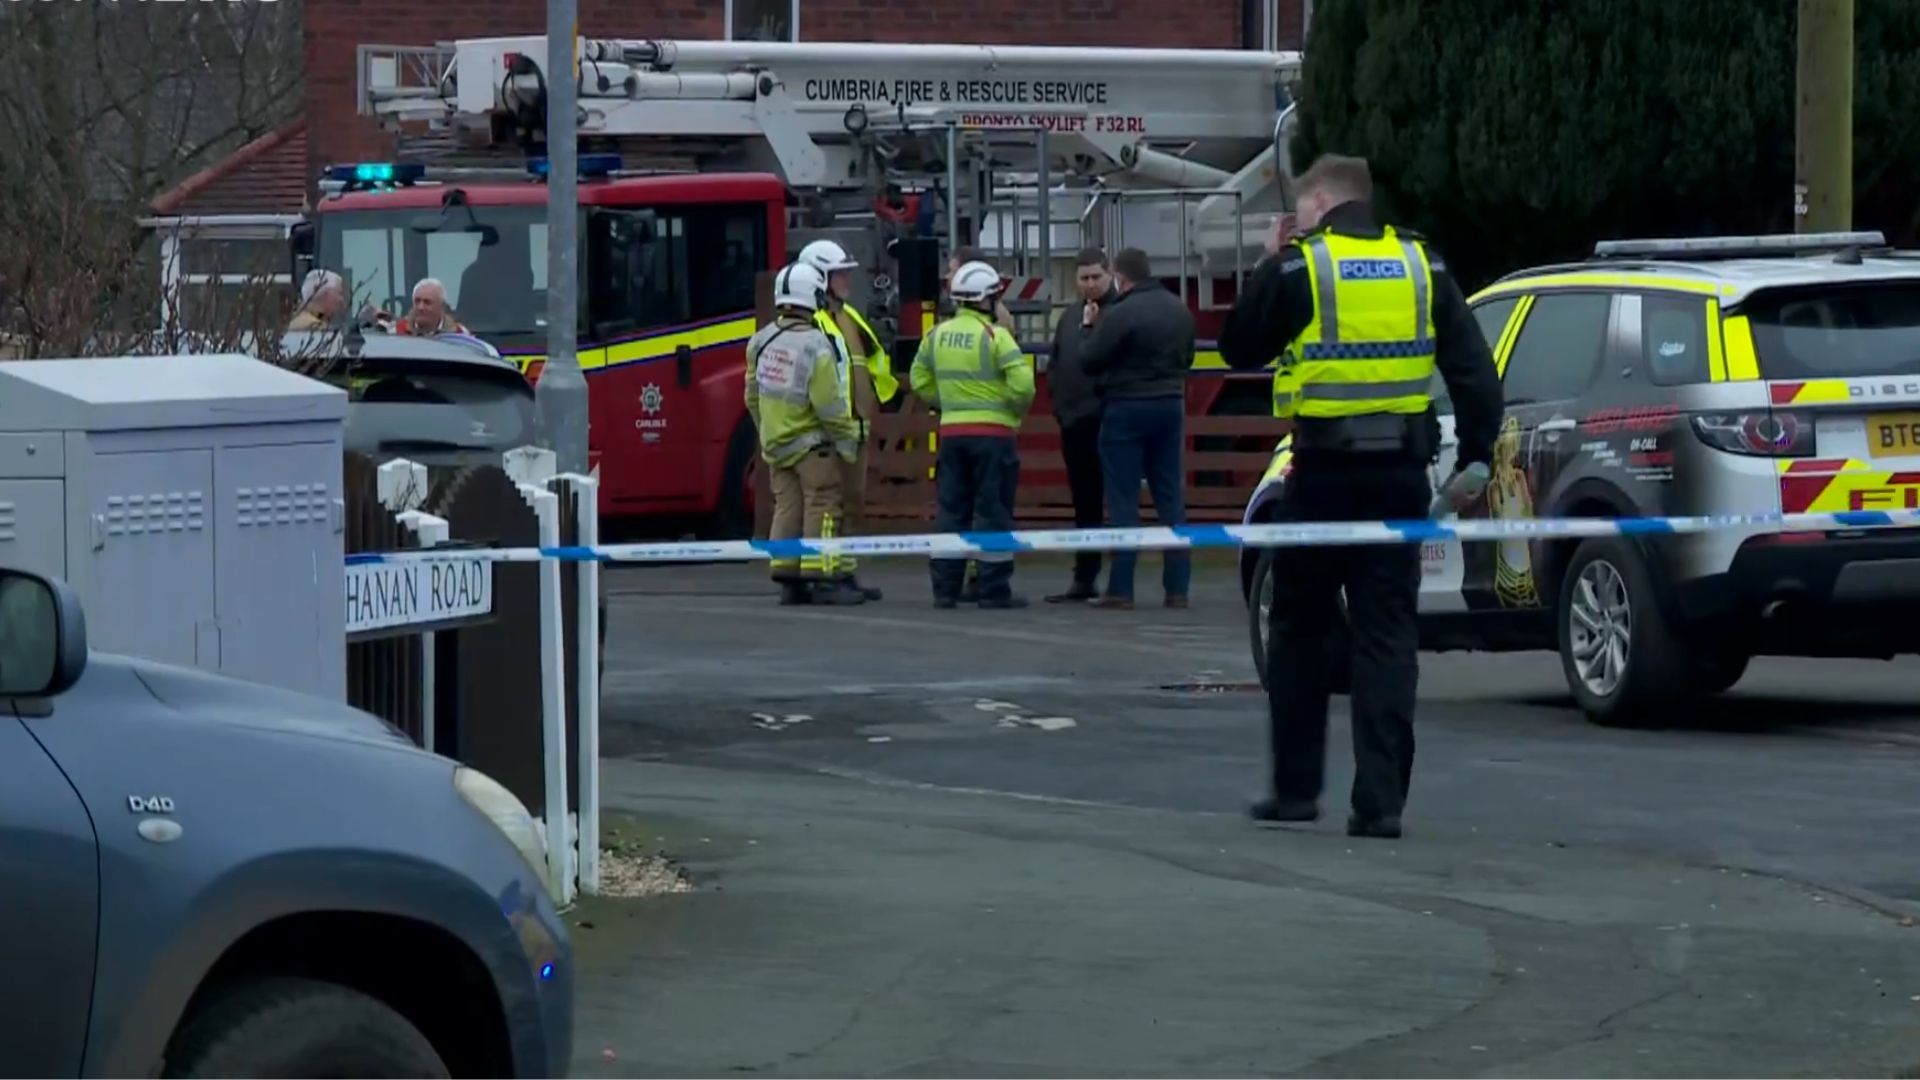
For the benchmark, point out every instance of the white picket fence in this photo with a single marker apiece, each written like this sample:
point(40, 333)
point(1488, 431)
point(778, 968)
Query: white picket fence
point(572, 840)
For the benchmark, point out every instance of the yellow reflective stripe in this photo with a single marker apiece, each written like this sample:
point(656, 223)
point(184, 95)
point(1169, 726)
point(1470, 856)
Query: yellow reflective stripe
point(1324, 409)
point(664, 345)
point(655, 347)
point(1282, 457)
point(1716, 356)
point(1505, 347)
point(1822, 392)
point(1596, 279)
point(1742, 365)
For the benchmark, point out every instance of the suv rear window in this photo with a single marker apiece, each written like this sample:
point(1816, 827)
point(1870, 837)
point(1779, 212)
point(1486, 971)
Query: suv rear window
point(396, 406)
point(1837, 331)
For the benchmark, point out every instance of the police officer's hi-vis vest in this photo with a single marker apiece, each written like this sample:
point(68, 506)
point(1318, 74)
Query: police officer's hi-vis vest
point(879, 364)
point(1286, 383)
point(1369, 348)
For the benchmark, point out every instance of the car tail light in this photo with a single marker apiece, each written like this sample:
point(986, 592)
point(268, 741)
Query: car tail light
point(1761, 433)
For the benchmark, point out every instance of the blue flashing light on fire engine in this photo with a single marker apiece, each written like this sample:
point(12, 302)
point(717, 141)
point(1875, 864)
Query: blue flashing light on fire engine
point(368, 174)
point(590, 165)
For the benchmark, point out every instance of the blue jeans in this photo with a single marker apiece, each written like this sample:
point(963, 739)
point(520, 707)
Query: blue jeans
point(1142, 440)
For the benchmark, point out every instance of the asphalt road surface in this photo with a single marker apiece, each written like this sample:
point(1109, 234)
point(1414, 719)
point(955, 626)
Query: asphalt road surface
point(1012, 843)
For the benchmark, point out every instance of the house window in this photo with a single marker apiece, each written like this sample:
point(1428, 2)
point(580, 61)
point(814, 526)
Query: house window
point(229, 281)
point(1260, 24)
point(763, 20)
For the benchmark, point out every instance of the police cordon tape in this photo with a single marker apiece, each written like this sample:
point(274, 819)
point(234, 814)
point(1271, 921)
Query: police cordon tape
point(1195, 537)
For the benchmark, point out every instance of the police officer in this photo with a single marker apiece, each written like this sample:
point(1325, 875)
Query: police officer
point(971, 369)
point(807, 430)
point(865, 368)
point(1362, 315)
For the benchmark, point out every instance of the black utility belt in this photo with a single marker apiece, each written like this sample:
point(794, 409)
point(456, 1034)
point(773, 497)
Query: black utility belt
point(1375, 433)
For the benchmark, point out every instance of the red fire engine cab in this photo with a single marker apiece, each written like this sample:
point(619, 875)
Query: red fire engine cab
point(668, 266)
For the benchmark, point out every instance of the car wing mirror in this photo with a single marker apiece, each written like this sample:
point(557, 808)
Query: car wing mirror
point(43, 635)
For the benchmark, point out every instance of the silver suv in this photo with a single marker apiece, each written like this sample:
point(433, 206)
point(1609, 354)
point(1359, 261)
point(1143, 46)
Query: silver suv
point(205, 877)
point(1668, 378)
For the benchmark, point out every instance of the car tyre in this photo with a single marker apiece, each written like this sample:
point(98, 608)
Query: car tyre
point(299, 1027)
point(733, 517)
point(1339, 644)
point(1622, 659)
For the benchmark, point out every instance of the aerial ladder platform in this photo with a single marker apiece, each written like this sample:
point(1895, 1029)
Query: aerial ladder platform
point(1028, 152)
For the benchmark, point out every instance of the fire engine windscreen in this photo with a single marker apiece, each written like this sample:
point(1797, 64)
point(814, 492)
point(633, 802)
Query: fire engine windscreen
point(495, 289)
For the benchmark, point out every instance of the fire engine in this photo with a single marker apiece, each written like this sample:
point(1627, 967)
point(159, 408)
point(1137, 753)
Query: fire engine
point(705, 165)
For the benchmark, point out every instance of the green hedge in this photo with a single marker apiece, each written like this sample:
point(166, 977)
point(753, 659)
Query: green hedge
point(1515, 134)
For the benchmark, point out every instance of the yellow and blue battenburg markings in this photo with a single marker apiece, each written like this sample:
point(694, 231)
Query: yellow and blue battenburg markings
point(730, 329)
point(1305, 534)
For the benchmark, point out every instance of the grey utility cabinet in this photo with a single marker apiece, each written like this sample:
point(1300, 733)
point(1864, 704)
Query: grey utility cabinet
point(193, 501)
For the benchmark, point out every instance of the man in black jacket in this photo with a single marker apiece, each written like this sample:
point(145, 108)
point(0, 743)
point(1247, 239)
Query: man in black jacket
point(1076, 407)
point(1140, 348)
point(1375, 316)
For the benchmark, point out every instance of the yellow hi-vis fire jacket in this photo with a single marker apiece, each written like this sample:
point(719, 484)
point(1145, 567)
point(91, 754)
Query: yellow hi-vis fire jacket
point(974, 372)
point(879, 364)
point(795, 395)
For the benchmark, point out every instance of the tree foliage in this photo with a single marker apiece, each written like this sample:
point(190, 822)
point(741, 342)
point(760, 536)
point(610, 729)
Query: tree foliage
point(1515, 134)
point(106, 105)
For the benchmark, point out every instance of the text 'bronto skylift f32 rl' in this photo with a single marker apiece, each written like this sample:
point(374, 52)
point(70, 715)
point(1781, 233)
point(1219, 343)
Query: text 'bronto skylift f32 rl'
point(705, 165)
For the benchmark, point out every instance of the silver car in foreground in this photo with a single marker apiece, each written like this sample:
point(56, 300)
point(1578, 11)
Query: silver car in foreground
point(204, 877)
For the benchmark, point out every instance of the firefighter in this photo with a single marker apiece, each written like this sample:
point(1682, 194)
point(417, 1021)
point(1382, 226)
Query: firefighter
point(971, 370)
point(807, 430)
point(865, 367)
point(959, 257)
point(1363, 315)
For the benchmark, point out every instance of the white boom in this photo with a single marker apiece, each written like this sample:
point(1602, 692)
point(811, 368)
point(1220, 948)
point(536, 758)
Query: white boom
point(1179, 151)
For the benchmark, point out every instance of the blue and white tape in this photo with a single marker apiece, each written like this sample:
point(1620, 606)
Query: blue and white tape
point(963, 545)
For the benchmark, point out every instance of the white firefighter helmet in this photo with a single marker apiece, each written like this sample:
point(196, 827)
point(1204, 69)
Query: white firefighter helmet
point(826, 257)
point(976, 282)
point(800, 286)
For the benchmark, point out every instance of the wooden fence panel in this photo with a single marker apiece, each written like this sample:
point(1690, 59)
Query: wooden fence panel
point(1219, 478)
point(489, 714)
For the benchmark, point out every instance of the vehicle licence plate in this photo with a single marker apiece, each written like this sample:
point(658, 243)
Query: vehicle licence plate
point(1893, 434)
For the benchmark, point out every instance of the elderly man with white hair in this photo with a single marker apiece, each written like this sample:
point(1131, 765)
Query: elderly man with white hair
point(430, 315)
point(323, 299)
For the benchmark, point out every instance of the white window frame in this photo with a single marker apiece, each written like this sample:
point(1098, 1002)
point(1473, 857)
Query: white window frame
point(793, 20)
point(219, 227)
point(1270, 27)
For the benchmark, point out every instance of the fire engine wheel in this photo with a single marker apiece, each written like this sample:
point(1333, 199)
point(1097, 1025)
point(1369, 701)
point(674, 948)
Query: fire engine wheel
point(733, 518)
point(1339, 643)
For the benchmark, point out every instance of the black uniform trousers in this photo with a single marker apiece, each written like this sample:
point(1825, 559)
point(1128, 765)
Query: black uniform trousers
point(1382, 584)
point(1080, 449)
point(975, 480)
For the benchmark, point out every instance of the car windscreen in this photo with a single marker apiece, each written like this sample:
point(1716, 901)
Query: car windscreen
point(1837, 331)
point(493, 289)
point(430, 407)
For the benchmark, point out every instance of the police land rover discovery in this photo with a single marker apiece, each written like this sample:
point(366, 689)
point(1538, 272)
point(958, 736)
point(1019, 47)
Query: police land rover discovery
point(1726, 375)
